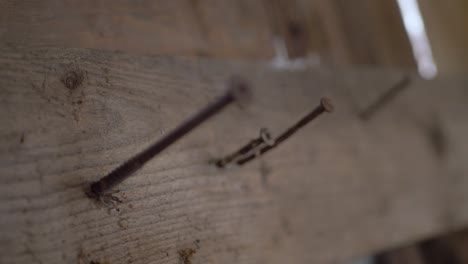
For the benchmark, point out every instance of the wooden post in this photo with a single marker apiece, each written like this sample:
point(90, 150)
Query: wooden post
point(366, 32)
point(445, 23)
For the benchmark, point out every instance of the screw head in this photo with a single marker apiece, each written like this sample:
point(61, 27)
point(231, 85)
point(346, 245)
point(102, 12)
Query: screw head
point(326, 103)
point(266, 137)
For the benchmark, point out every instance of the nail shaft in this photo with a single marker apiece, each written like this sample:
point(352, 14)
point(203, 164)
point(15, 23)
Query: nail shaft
point(325, 106)
point(385, 99)
point(264, 138)
point(237, 90)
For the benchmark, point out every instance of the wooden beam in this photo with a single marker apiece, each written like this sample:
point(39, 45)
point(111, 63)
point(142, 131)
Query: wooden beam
point(299, 25)
point(341, 187)
point(221, 28)
point(446, 28)
point(366, 32)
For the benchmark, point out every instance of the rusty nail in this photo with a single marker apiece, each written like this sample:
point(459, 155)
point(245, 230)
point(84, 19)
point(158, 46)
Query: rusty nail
point(325, 106)
point(264, 138)
point(238, 91)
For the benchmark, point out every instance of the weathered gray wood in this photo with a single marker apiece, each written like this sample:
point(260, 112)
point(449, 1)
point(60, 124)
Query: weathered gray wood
point(341, 187)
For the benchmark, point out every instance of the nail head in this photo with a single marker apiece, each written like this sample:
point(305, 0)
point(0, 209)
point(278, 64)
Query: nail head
point(266, 137)
point(327, 104)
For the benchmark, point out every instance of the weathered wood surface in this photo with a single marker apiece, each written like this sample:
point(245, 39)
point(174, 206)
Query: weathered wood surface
point(341, 187)
point(218, 28)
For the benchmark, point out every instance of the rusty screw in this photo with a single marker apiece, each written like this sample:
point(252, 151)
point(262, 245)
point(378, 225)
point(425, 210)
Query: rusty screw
point(238, 91)
point(325, 106)
point(263, 139)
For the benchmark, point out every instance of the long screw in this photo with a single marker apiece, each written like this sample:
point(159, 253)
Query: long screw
point(238, 91)
point(325, 106)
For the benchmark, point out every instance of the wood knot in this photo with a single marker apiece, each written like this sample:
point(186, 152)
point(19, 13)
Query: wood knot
point(72, 79)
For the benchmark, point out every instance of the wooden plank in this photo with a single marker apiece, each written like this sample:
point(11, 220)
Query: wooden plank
point(222, 28)
point(299, 25)
point(235, 29)
point(446, 29)
point(366, 32)
point(342, 187)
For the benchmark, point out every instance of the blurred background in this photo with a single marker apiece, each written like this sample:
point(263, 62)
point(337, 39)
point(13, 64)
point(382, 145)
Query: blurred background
point(425, 36)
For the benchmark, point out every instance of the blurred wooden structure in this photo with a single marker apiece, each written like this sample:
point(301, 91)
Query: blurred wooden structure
point(55, 138)
point(363, 32)
point(218, 28)
point(339, 32)
point(446, 25)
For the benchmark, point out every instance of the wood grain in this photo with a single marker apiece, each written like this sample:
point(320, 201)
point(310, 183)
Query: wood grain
point(297, 23)
point(221, 28)
point(366, 32)
point(342, 187)
point(446, 29)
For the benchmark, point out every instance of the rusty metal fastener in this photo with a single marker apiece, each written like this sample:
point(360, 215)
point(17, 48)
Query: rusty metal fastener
point(386, 98)
point(238, 91)
point(262, 140)
point(325, 106)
